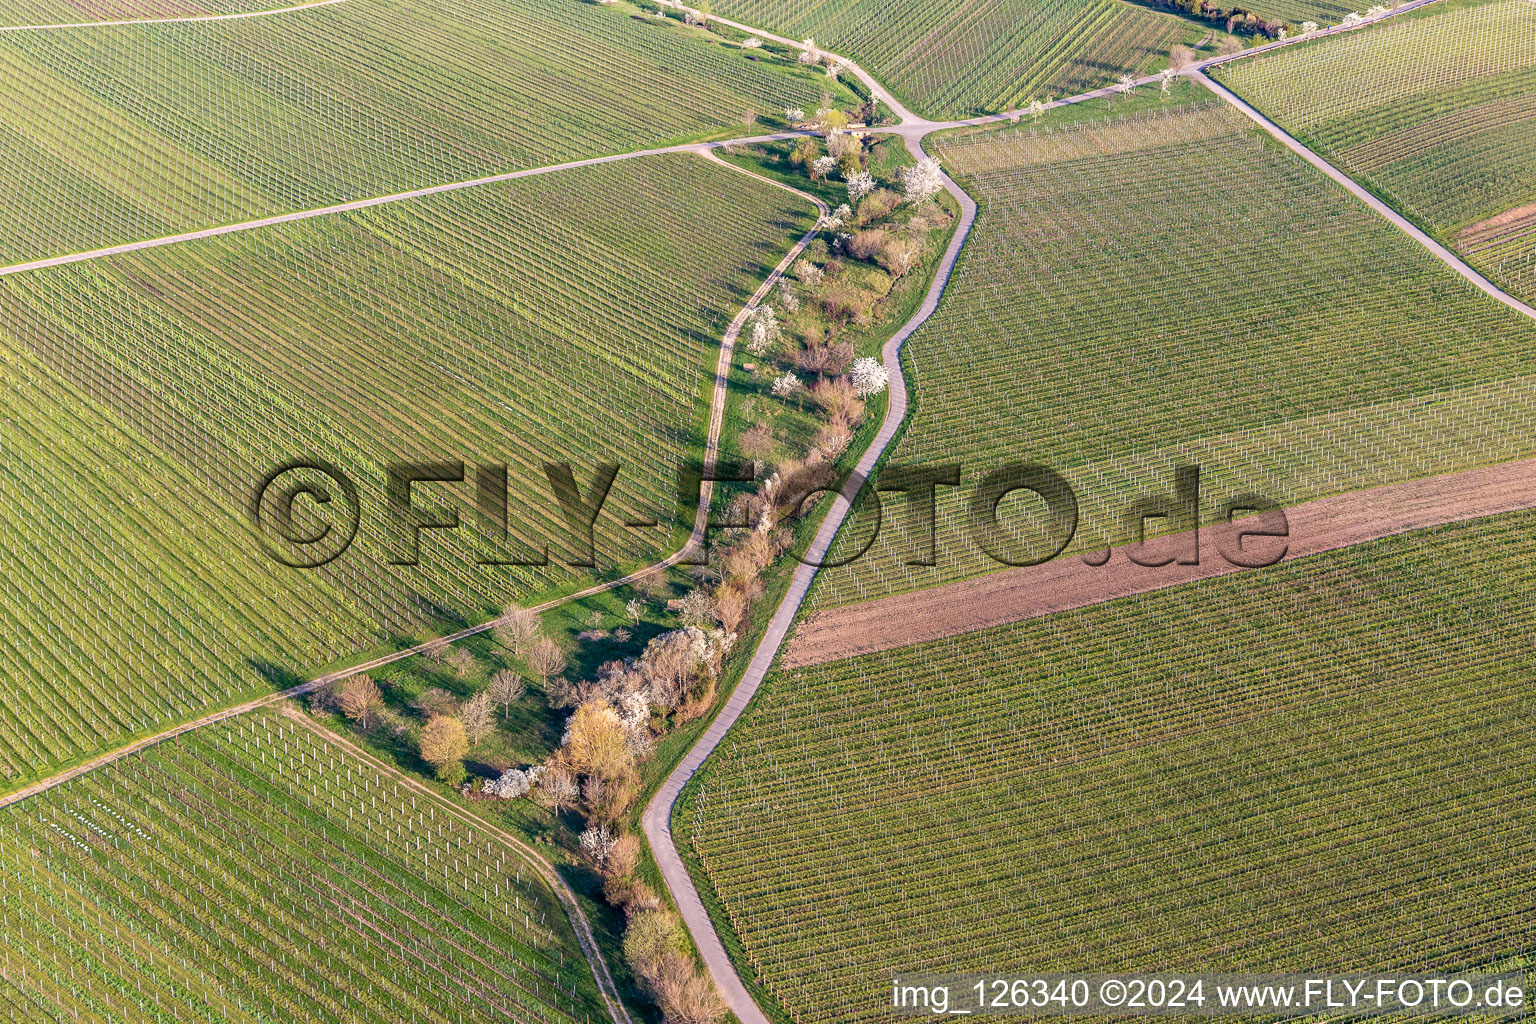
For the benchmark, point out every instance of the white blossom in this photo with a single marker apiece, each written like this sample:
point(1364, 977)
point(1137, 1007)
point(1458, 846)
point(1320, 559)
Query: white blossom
point(786, 385)
point(635, 709)
point(1376, 11)
point(512, 784)
point(1035, 109)
point(794, 115)
point(597, 842)
point(1308, 27)
point(860, 185)
point(692, 17)
point(710, 646)
point(751, 43)
point(823, 166)
point(1352, 18)
point(762, 330)
point(810, 273)
point(809, 54)
point(788, 297)
point(836, 68)
point(922, 181)
point(868, 376)
point(1125, 84)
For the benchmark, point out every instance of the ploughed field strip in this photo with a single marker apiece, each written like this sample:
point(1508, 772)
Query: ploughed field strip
point(1181, 290)
point(1325, 524)
point(116, 135)
point(954, 59)
point(252, 871)
point(135, 598)
point(567, 317)
point(1437, 115)
point(65, 12)
point(1321, 766)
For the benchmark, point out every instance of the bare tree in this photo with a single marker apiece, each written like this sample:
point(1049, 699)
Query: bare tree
point(1181, 57)
point(506, 689)
point(435, 700)
point(518, 626)
point(546, 658)
point(758, 442)
point(478, 716)
point(361, 700)
point(557, 788)
point(686, 995)
point(459, 661)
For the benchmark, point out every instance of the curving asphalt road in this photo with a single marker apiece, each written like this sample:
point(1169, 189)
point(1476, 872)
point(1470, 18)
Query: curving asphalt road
point(656, 821)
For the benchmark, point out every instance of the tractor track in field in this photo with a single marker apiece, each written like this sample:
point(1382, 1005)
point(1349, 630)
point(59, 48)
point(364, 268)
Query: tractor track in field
point(656, 820)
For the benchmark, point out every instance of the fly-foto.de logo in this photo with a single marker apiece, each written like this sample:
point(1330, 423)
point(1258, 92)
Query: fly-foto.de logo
point(308, 513)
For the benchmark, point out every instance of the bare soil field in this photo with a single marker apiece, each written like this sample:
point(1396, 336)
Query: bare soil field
point(1313, 527)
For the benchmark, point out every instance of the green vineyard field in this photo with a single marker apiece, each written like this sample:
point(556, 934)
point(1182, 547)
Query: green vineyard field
point(1437, 115)
point(136, 132)
point(252, 871)
point(62, 12)
point(135, 598)
point(568, 317)
point(1324, 766)
point(952, 59)
point(1181, 290)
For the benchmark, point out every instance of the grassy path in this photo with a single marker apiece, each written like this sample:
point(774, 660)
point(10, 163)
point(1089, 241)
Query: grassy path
point(656, 819)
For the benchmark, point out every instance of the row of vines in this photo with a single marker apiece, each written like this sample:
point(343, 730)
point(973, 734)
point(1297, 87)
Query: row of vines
point(1324, 766)
point(252, 871)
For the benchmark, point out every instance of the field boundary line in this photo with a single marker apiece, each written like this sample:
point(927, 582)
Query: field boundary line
point(1066, 584)
point(695, 537)
point(365, 204)
point(174, 21)
point(578, 918)
point(1355, 189)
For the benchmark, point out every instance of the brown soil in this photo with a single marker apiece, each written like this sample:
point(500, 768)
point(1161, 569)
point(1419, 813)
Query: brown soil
point(1496, 229)
point(1025, 593)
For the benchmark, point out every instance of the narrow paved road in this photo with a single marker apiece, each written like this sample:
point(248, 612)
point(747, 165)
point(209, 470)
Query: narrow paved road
point(1440, 252)
point(656, 821)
